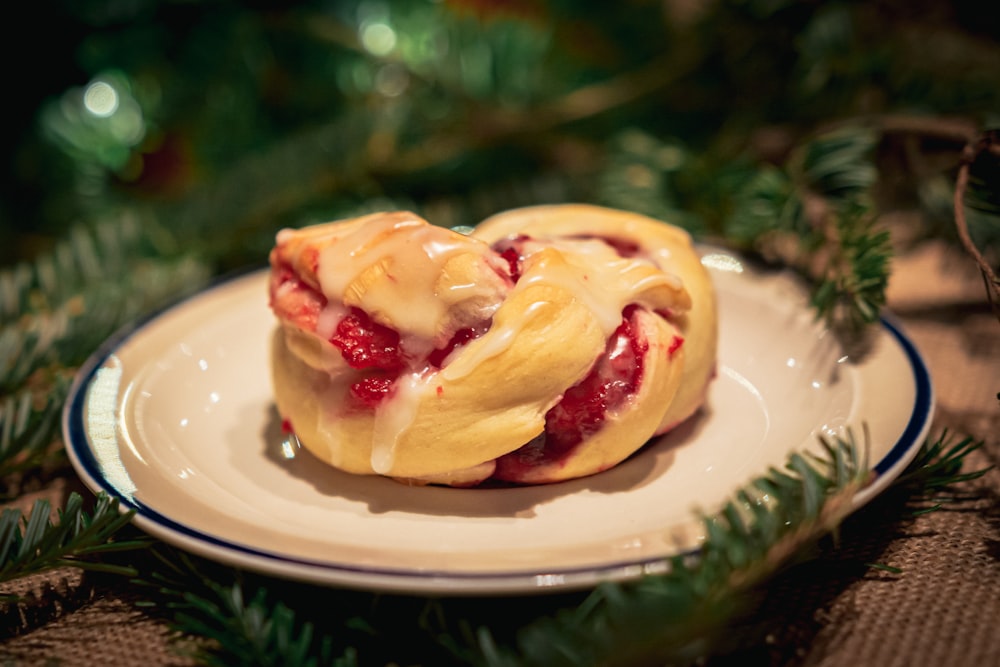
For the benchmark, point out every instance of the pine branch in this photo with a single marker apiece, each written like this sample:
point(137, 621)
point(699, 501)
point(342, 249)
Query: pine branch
point(255, 631)
point(694, 611)
point(76, 538)
point(639, 174)
point(674, 618)
point(85, 254)
point(29, 425)
point(55, 311)
point(816, 216)
point(939, 467)
point(851, 291)
point(210, 604)
point(837, 166)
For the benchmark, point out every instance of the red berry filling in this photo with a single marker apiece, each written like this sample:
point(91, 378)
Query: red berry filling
point(369, 346)
point(461, 337)
point(675, 344)
point(370, 390)
point(614, 378)
point(510, 251)
point(366, 344)
point(585, 406)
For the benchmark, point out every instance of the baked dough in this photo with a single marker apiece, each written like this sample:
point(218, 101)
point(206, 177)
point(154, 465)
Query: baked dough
point(549, 343)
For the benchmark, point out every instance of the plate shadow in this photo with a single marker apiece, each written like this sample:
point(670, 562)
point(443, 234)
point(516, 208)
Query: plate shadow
point(383, 495)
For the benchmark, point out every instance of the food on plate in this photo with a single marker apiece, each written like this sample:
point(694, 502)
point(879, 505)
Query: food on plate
point(549, 343)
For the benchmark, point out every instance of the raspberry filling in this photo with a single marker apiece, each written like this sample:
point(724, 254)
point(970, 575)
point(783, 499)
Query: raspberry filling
point(461, 337)
point(614, 378)
point(585, 406)
point(366, 344)
point(369, 346)
point(370, 390)
point(510, 251)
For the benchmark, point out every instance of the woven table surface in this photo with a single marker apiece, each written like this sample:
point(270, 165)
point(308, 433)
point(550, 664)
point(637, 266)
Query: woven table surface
point(941, 608)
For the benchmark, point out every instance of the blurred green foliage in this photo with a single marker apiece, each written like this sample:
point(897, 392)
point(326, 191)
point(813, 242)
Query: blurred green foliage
point(226, 120)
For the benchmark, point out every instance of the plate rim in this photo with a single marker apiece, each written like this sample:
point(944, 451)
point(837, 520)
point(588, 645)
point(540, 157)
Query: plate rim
point(410, 580)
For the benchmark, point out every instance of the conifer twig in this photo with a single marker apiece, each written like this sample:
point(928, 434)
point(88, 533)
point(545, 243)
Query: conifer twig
point(76, 538)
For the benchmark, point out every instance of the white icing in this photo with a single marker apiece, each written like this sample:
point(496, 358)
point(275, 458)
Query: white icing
point(390, 267)
point(602, 280)
point(597, 277)
point(489, 345)
point(394, 416)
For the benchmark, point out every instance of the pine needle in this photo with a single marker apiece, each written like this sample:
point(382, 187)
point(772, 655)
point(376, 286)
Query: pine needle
point(29, 425)
point(816, 215)
point(692, 612)
point(56, 310)
point(76, 538)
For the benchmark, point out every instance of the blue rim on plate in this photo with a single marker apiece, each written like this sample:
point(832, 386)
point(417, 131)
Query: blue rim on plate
point(409, 580)
point(923, 404)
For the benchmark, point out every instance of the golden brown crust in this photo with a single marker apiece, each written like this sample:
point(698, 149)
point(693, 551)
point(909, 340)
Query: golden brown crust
point(698, 324)
point(538, 336)
point(631, 423)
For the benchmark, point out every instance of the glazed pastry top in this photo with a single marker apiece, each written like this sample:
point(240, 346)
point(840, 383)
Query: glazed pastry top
point(437, 353)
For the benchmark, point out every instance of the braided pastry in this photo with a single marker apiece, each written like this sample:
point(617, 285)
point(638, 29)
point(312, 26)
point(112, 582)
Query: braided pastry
point(550, 343)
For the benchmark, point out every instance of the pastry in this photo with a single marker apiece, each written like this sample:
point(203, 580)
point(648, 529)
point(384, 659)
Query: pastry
point(549, 343)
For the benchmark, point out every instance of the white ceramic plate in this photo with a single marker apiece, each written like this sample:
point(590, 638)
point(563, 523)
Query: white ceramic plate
point(175, 419)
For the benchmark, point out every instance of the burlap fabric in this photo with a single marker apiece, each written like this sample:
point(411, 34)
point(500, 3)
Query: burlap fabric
point(942, 608)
